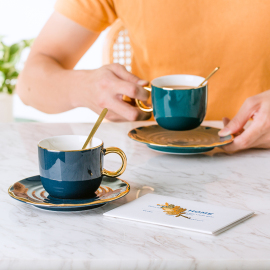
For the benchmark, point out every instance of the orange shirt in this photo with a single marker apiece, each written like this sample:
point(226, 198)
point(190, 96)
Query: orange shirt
point(191, 37)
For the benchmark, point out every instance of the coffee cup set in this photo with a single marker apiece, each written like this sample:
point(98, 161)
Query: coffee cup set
point(179, 105)
point(73, 179)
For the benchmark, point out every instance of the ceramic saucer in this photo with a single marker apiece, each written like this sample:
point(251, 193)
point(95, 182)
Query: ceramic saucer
point(31, 191)
point(195, 141)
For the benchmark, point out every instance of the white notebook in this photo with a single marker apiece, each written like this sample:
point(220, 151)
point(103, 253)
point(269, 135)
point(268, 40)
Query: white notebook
point(182, 214)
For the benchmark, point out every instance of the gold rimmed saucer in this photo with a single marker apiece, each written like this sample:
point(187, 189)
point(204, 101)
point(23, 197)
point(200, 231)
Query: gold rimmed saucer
point(198, 140)
point(31, 191)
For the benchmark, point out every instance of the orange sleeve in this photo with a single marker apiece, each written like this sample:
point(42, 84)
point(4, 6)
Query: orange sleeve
point(95, 15)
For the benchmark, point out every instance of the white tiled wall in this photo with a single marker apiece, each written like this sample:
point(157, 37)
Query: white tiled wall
point(23, 19)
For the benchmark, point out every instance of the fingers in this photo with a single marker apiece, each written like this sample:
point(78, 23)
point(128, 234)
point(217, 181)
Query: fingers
point(225, 121)
point(112, 83)
point(257, 134)
point(132, 90)
point(112, 116)
point(121, 72)
point(119, 117)
point(245, 140)
point(123, 82)
point(241, 118)
point(264, 142)
point(129, 112)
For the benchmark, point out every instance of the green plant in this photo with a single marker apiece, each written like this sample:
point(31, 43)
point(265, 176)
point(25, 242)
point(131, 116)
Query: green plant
point(9, 57)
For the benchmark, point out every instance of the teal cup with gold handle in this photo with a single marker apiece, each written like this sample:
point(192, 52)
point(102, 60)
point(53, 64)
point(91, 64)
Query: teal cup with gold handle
point(68, 172)
point(177, 101)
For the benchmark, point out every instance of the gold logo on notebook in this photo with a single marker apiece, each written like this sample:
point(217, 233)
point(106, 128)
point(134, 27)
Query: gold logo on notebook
point(174, 210)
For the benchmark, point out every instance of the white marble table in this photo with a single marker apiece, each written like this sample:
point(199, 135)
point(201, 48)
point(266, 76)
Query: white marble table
point(31, 238)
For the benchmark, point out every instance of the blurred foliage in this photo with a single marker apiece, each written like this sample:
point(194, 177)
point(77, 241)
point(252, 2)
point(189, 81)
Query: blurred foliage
point(9, 57)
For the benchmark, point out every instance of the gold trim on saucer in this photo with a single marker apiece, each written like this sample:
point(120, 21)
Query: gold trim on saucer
point(69, 205)
point(158, 136)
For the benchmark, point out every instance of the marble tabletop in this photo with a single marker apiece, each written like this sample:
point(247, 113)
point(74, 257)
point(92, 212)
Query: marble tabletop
point(31, 238)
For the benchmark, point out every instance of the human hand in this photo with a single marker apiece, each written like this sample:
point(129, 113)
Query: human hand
point(257, 135)
point(105, 87)
point(50, 84)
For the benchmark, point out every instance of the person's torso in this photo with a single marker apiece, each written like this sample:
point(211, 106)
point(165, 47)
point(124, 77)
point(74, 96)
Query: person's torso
point(193, 37)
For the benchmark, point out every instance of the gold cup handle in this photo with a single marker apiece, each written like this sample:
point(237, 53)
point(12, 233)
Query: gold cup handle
point(119, 152)
point(141, 105)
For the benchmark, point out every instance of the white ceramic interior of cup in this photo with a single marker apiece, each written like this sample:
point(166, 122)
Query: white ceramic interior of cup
point(181, 79)
point(68, 143)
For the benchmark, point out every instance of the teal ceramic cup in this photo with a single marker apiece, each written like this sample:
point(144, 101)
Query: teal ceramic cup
point(175, 107)
point(68, 172)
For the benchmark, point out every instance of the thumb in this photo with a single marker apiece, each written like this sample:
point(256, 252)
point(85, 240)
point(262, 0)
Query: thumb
point(233, 127)
point(226, 121)
point(121, 72)
point(237, 123)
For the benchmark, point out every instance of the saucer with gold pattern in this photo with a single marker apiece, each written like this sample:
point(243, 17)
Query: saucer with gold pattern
point(199, 140)
point(31, 191)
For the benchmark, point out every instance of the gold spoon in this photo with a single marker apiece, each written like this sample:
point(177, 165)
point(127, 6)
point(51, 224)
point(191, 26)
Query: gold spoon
point(95, 127)
point(210, 75)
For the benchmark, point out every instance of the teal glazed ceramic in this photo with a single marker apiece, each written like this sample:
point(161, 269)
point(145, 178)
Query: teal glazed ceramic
point(68, 173)
point(31, 191)
point(183, 151)
point(198, 140)
point(178, 109)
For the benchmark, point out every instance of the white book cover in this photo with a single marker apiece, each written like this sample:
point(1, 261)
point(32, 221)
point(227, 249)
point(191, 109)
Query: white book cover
point(182, 214)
